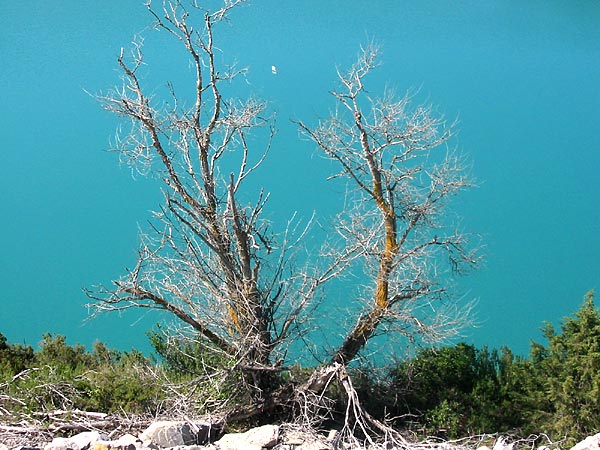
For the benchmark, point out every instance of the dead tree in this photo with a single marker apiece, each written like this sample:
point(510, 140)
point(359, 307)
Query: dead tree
point(401, 173)
point(208, 259)
point(211, 261)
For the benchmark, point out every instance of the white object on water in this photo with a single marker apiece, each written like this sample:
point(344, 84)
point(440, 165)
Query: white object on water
point(274, 70)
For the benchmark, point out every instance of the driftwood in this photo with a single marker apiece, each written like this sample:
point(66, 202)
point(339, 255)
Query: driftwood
point(78, 421)
point(39, 428)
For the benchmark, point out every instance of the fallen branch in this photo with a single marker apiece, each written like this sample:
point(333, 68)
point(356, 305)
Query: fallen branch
point(18, 429)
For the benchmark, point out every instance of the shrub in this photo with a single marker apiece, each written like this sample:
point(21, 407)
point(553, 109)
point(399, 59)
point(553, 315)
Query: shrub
point(569, 374)
point(60, 376)
point(14, 358)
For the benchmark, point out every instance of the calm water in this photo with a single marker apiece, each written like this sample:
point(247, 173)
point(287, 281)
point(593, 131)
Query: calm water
point(522, 77)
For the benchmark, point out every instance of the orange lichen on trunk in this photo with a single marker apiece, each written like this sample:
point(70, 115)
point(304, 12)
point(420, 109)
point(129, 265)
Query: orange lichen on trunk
point(371, 320)
point(235, 320)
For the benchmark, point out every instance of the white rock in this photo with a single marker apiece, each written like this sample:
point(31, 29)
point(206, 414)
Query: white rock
point(81, 441)
point(254, 439)
point(589, 443)
point(267, 435)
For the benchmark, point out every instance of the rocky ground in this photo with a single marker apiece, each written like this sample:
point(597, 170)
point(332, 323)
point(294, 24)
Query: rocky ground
point(204, 435)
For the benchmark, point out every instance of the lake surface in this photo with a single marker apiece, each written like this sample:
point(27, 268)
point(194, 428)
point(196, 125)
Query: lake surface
point(523, 78)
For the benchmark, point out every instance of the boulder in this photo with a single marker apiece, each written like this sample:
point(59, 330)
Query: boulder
point(81, 441)
point(589, 443)
point(167, 434)
point(254, 439)
point(125, 442)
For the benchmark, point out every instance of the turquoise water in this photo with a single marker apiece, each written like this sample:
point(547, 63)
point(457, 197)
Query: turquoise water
point(522, 77)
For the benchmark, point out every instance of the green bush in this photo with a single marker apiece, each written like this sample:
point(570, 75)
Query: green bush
point(14, 358)
point(461, 390)
point(445, 419)
point(124, 385)
point(569, 374)
point(60, 376)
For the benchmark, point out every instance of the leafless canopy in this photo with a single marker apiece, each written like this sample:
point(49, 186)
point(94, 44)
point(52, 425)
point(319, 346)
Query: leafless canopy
point(208, 259)
point(401, 171)
point(212, 261)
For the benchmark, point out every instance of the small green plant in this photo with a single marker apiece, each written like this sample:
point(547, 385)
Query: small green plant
point(445, 420)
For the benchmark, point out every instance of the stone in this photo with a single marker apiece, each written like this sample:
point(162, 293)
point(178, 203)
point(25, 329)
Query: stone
point(589, 443)
point(125, 442)
point(167, 434)
point(267, 435)
point(81, 441)
point(254, 439)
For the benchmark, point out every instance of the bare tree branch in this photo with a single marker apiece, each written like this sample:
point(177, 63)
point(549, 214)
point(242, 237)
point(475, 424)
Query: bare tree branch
point(206, 259)
point(397, 230)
